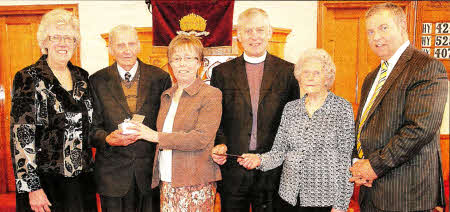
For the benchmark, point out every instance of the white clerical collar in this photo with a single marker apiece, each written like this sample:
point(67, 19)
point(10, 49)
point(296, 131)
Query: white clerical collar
point(132, 71)
point(393, 60)
point(249, 59)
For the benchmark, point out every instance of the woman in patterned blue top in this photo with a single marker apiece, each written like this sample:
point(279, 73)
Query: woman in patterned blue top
point(51, 114)
point(314, 142)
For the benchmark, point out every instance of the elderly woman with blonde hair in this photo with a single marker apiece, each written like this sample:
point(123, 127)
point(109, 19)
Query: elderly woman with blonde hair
point(51, 114)
point(188, 119)
point(314, 142)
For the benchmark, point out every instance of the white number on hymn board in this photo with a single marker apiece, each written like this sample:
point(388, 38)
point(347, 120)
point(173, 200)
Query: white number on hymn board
point(443, 28)
point(442, 53)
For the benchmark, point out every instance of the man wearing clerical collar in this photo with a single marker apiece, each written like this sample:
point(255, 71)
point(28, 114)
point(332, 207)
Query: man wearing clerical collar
point(255, 87)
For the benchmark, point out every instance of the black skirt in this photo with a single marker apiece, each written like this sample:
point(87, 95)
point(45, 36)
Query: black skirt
point(66, 194)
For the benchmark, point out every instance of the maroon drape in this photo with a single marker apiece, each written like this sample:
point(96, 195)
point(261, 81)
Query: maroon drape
point(217, 13)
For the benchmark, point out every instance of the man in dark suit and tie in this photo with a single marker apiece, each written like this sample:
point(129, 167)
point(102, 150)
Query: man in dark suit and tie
point(255, 87)
point(398, 121)
point(123, 166)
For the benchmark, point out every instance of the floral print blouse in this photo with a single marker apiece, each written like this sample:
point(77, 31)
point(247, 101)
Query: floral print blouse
point(49, 125)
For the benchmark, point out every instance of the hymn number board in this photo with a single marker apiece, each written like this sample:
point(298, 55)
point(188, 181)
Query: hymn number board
point(436, 39)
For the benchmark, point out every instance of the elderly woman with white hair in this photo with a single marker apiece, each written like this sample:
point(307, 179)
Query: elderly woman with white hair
point(314, 142)
point(51, 114)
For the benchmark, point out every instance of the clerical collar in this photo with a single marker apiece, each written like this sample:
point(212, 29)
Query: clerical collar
point(132, 71)
point(255, 60)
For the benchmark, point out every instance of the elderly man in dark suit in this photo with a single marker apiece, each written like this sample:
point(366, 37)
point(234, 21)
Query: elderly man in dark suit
point(401, 110)
point(255, 87)
point(123, 166)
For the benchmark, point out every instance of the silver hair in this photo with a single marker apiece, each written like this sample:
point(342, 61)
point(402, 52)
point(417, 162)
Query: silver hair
point(58, 17)
point(250, 12)
point(325, 60)
point(121, 28)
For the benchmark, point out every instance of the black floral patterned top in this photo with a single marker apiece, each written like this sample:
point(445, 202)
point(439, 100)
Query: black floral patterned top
point(49, 125)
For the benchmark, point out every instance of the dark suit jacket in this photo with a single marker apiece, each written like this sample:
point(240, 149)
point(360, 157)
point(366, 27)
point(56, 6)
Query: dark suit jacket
point(278, 87)
point(400, 137)
point(115, 167)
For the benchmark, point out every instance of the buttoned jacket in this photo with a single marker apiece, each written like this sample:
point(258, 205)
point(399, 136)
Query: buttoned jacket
point(400, 136)
point(116, 166)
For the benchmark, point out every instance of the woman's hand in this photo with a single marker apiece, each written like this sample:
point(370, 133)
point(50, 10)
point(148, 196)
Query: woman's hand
point(144, 132)
point(336, 210)
point(39, 201)
point(249, 161)
point(219, 149)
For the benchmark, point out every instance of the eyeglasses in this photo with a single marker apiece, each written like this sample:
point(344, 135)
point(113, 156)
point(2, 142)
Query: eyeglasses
point(59, 38)
point(187, 59)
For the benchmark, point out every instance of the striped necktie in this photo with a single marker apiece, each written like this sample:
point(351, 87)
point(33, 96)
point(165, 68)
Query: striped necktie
point(381, 80)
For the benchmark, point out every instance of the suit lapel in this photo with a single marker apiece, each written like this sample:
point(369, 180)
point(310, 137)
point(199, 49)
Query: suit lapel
point(240, 78)
point(365, 92)
point(398, 69)
point(115, 87)
point(269, 75)
point(144, 85)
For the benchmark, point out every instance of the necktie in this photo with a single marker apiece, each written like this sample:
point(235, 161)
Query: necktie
point(381, 80)
point(127, 77)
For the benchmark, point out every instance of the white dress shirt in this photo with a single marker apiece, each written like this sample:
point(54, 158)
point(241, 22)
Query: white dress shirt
point(392, 61)
point(132, 71)
point(391, 64)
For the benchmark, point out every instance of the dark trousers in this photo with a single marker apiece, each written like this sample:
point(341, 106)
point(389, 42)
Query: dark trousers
point(286, 207)
point(368, 206)
point(66, 194)
point(133, 201)
point(247, 196)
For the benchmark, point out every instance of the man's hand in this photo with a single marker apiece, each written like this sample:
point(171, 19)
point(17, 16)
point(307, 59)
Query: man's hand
point(361, 181)
point(249, 161)
point(116, 138)
point(438, 209)
point(363, 173)
point(39, 201)
point(219, 149)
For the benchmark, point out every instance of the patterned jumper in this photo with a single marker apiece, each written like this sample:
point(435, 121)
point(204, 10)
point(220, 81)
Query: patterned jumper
point(315, 153)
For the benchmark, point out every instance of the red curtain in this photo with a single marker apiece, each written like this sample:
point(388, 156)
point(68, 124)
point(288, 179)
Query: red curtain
point(211, 20)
